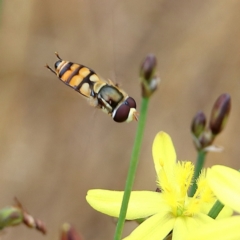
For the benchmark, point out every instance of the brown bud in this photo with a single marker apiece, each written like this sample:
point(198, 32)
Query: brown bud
point(34, 223)
point(147, 74)
point(198, 124)
point(10, 216)
point(40, 226)
point(148, 67)
point(69, 233)
point(220, 112)
point(29, 220)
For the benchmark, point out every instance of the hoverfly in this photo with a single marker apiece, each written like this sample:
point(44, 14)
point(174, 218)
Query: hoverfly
point(100, 94)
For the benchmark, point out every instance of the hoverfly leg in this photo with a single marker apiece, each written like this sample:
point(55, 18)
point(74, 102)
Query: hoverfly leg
point(93, 102)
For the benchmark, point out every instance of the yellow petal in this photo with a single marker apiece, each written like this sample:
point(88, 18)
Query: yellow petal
point(155, 227)
point(224, 182)
point(183, 225)
point(224, 229)
point(142, 203)
point(163, 151)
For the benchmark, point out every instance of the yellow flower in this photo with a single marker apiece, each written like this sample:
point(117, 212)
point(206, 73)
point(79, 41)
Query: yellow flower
point(168, 210)
point(225, 183)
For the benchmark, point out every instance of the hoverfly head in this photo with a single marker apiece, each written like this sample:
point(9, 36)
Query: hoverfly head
point(126, 111)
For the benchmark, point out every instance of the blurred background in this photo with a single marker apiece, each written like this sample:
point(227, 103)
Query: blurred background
point(54, 146)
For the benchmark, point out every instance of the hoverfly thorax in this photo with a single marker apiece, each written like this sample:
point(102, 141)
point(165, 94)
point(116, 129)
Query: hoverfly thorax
point(105, 95)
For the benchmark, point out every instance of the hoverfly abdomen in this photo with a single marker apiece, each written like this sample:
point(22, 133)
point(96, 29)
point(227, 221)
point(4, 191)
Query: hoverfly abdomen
point(107, 96)
point(77, 76)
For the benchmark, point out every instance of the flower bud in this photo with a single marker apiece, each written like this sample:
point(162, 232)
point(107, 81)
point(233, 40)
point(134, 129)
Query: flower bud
point(147, 74)
point(205, 139)
point(148, 67)
point(31, 222)
point(220, 112)
point(198, 124)
point(10, 216)
point(69, 233)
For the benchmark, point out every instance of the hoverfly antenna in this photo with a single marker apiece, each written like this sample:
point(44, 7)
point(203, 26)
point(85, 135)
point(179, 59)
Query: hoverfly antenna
point(135, 116)
point(50, 68)
point(56, 53)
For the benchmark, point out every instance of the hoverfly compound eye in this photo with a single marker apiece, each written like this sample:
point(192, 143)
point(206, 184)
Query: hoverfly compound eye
point(131, 102)
point(126, 111)
point(121, 113)
point(57, 63)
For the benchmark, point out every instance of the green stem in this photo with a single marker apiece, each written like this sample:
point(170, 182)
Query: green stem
point(216, 209)
point(197, 171)
point(132, 168)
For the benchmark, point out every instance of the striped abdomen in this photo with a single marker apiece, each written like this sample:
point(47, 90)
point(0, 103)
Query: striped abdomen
point(77, 76)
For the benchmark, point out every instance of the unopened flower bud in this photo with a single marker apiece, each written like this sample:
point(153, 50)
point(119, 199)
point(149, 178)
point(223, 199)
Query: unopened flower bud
point(220, 112)
point(34, 223)
point(148, 67)
point(10, 216)
point(205, 139)
point(147, 74)
point(69, 233)
point(40, 226)
point(29, 220)
point(198, 124)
